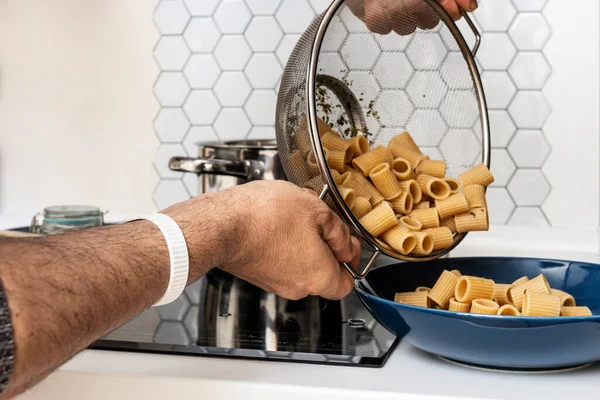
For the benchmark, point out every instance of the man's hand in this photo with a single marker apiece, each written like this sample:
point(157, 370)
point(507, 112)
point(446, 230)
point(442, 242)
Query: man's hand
point(404, 16)
point(276, 236)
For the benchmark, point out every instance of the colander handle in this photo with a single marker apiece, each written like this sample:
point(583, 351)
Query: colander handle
point(475, 32)
point(363, 273)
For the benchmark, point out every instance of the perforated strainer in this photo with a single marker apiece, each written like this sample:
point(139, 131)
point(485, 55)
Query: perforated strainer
point(378, 74)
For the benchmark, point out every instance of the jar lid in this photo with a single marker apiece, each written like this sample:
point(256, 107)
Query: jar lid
point(71, 212)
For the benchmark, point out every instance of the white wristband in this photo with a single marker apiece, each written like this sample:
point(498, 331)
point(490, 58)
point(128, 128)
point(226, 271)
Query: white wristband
point(178, 255)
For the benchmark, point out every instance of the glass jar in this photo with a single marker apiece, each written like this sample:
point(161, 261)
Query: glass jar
point(60, 219)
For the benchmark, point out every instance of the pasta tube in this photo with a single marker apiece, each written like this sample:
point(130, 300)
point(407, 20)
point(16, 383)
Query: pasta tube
point(410, 224)
point(484, 306)
point(402, 169)
point(475, 220)
point(337, 160)
point(449, 223)
point(436, 168)
point(359, 145)
point(402, 204)
point(540, 305)
point(539, 284)
point(423, 289)
point(469, 288)
point(349, 195)
point(459, 307)
point(456, 272)
point(509, 309)
point(433, 187)
point(401, 240)
point(358, 183)
point(334, 142)
point(405, 140)
point(379, 220)
point(442, 237)
point(575, 312)
point(475, 195)
point(454, 205)
point(501, 293)
point(423, 204)
point(385, 181)
point(566, 300)
point(361, 207)
point(367, 161)
point(478, 175)
point(418, 299)
point(453, 184)
point(443, 289)
point(413, 187)
point(427, 216)
point(424, 243)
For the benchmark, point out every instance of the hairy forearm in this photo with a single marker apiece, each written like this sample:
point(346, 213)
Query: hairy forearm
point(66, 291)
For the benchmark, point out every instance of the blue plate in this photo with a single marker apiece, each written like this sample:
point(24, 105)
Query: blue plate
point(523, 343)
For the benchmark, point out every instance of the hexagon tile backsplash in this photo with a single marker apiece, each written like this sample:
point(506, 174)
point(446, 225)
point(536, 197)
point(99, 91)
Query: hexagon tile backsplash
point(221, 62)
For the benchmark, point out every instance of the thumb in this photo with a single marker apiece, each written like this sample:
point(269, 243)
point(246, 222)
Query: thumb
point(336, 234)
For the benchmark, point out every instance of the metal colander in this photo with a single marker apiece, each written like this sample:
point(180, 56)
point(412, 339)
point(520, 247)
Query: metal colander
point(378, 74)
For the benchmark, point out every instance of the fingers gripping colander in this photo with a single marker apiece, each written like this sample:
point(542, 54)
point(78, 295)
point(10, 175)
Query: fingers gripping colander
point(378, 69)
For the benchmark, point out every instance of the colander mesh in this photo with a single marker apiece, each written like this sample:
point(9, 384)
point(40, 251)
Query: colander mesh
point(412, 78)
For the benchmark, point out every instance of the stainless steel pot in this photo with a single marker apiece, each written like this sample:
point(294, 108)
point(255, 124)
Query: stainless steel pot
point(221, 165)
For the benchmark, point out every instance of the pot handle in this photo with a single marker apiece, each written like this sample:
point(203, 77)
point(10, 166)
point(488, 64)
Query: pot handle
point(247, 169)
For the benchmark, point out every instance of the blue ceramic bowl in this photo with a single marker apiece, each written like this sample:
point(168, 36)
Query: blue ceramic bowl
point(487, 340)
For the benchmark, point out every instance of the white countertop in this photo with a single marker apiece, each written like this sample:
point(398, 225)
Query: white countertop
point(408, 374)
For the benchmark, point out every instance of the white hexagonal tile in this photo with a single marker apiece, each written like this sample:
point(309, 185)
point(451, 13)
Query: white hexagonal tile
point(466, 32)
point(193, 292)
point(191, 322)
point(502, 128)
point(432, 152)
point(351, 21)
point(529, 70)
point(530, 5)
point(171, 17)
point(201, 8)
point(201, 107)
point(530, 31)
point(202, 35)
point(393, 70)
point(502, 167)
point(454, 72)
point(363, 85)
point(232, 124)
point(495, 15)
point(171, 53)
point(261, 132)
point(171, 89)
point(232, 16)
point(198, 134)
point(331, 63)
point(496, 51)
point(460, 146)
point(169, 192)
point(320, 5)
point(294, 16)
point(233, 52)
point(172, 332)
point(460, 109)
point(192, 184)
point(500, 205)
point(360, 52)
point(263, 7)
point(263, 34)
point(171, 125)
point(529, 109)
point(174, 311)
point(335, 35)
point(392, 41)
point(529, 148)
point(232, 89)
point(261, 107)
point(286, 46)
point(427, 127)
point(499, 88)
point(162, 157)
point(263, 71)
point(426, 89)
point(529, 216)
point(529, 187)
point(202, 71)
point(394, 108)
point(427, 53)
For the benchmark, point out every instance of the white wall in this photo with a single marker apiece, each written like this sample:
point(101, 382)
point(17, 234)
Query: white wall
point(76, 104)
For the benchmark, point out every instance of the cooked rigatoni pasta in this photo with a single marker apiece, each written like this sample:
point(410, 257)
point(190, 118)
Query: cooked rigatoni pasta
point(436, 168)
point(442, 237)
point(469, 288)
point(424, 244)
point(520, 281)
point(421, 205)
point(311, 164)
point(410, 224)
point(418, 299)
point(433, 187)
point(369, 160)
point(456, 272)
point(453, 184)
point(361, 207)
point(359, 145)
point(501, 293)
point(337, 177)
point(428, 217)
point(413, 187)
point(539, 284)
point(449, 223)
point(572, 311)
point(406, 141)
point(379, 220)
point(402, 169)
point(337, 160)
point(423, 289)
point(349, 195)
point(400, 239)
point(478, 175)
point(298, 168)
point(334, 142)
point(358, 183)
point(402, 204)
point(385, 181)
point(475, 195)
point(474, 220)
point(566, 300)
point(454, 205)
point(484, 306)
point(509, 309)
point(413, 157)
point(540, 305)
point(443, 289)
point(458, 306)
